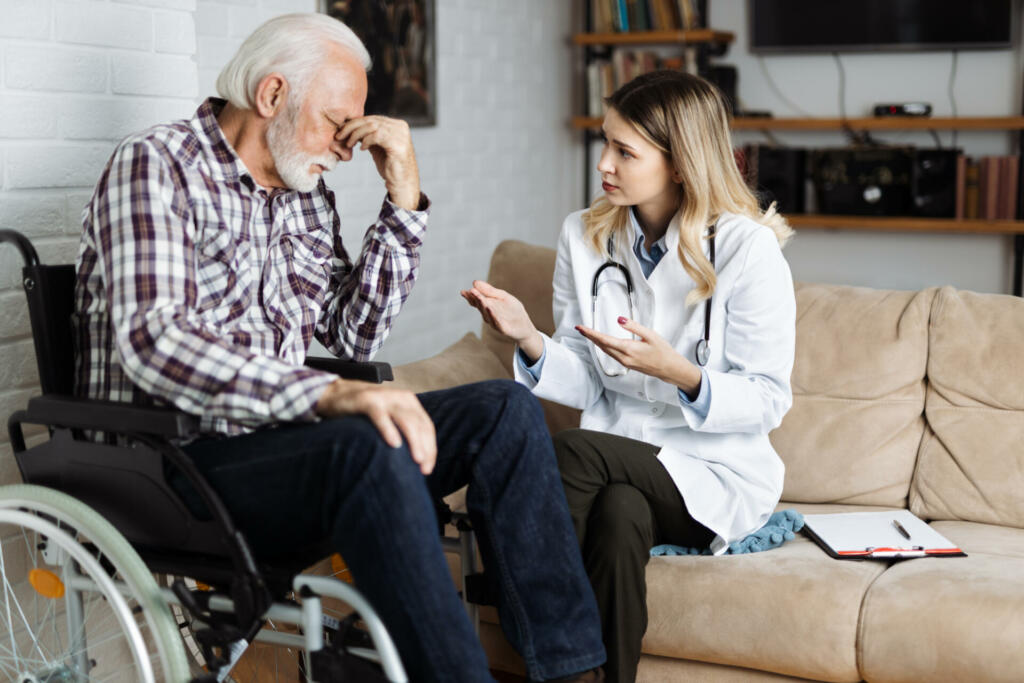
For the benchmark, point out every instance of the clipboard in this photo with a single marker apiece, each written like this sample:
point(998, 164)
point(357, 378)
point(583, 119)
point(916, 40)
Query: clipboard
point(878, 535)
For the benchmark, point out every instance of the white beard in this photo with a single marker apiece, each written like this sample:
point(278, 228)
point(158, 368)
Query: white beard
point(292, 164)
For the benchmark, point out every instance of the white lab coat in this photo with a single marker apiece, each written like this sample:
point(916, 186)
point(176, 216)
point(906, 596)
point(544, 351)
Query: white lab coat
point(723, 465)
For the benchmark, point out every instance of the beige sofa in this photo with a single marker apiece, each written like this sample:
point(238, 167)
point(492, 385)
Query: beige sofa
point(901, 399)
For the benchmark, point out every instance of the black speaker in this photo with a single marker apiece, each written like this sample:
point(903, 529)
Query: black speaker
point(778, 174)
point(863, 182)
point(933, 184)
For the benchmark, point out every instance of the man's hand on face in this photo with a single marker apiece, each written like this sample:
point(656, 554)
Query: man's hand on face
point(390, 143)
point(394, 412)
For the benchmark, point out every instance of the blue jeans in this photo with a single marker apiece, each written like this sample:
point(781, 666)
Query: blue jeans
point(291, 487)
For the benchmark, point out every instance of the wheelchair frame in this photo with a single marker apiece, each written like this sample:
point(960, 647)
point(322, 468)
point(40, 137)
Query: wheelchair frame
point(117, 481)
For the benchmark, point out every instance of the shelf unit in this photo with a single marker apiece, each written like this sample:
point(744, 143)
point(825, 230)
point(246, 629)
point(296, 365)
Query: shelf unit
point(1008, 123)
point(711, 42)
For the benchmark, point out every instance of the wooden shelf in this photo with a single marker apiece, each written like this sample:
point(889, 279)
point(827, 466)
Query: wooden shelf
point(884, 123)
point(906, 224)
point(700, 35)
point(881, 123)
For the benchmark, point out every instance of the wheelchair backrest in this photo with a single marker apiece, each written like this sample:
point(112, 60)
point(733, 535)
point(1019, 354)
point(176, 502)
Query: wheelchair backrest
point(50, 291)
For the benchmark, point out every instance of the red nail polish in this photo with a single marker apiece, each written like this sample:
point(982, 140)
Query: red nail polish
point(622, 320)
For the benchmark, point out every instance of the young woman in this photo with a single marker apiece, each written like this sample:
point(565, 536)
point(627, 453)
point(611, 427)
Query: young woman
point(675, 320)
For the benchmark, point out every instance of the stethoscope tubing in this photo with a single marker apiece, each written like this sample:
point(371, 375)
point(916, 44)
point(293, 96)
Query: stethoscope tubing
point(702, 353)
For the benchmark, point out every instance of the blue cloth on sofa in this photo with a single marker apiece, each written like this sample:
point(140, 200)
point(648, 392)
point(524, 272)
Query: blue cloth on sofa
point(780, 527)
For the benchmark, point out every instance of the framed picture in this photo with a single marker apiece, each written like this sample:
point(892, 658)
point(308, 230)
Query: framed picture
point(399, 34)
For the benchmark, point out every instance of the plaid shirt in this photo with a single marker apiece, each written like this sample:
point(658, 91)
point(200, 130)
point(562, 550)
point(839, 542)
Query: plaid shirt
point(200, 289)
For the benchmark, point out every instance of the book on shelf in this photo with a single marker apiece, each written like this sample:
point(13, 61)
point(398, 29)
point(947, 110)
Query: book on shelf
point(986, 187)
point(618, 16)
point(605, 76)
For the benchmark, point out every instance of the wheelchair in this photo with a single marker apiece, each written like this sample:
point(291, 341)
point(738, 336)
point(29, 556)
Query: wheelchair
point(85, 538)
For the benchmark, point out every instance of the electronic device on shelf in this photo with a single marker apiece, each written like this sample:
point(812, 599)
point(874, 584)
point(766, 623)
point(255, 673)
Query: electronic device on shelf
point(885, 181)
point(777, 174)
point(904, 109)
point(784, 26)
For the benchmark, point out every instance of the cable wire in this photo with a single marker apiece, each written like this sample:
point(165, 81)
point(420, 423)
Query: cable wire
point(950, 90)
point(778, 92)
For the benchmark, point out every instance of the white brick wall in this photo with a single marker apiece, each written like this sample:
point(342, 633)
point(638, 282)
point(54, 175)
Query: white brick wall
point(75, 77)
point(78, 75)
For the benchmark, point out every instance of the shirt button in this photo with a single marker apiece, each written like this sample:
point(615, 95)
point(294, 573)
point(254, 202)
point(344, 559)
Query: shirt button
point(654, 410)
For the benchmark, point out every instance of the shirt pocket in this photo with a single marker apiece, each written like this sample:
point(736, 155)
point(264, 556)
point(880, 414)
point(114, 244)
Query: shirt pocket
point(225, 274)
point(306, 259)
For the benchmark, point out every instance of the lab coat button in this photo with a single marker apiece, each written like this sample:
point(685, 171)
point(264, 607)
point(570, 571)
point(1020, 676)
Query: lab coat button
point(654, 410)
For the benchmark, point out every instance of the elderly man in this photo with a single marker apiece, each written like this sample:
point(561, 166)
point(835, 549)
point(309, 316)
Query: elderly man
point(211, 256)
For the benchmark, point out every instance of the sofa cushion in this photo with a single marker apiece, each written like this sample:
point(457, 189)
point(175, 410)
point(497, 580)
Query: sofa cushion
point(951, 619)
point(971, 463)
point(792, 610)
point(858, 395)
point(465, 361)
point(526, 271)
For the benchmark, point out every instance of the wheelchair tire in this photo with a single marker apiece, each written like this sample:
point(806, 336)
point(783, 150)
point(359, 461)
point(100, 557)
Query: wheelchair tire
point(65, 569)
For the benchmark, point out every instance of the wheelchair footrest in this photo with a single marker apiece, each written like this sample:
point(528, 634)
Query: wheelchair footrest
point(338, 666)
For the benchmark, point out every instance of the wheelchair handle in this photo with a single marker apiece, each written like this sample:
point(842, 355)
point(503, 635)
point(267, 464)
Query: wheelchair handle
point(28, 252)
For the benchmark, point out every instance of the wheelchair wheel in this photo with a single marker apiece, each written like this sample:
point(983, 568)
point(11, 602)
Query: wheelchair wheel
point(78, 604)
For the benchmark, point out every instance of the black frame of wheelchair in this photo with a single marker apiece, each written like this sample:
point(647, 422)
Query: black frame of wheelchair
point(127, 483)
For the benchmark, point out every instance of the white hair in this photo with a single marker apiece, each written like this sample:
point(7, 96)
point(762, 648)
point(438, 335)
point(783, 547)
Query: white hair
point(293, 45)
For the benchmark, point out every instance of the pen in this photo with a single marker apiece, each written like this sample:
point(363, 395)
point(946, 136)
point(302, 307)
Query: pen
point(899, 528)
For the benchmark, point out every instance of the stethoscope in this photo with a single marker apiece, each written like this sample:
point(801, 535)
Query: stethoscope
point(703, 351)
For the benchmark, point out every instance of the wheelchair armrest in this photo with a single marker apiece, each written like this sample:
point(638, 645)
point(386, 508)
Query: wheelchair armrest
point(109, 416)
point(367, 371)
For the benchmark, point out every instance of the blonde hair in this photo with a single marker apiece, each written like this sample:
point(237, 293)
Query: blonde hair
point(685, 117)
point(293, 45)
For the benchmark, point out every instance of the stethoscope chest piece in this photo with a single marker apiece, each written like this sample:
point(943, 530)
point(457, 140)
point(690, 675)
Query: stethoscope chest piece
point(703, 352)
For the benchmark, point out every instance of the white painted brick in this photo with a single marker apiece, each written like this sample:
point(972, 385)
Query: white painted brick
point(215, 51)
point(114, 118)
point(161, 75)
point(51, 252)
point(175, 32)
point(103, 24)
point(18, 365)
point(74, 204)
point(26, 19)
point(28, 117)
point(55, 68)
point(211, 19)
point(56, 165)
point(244, 20)
point(207, 83)
point(187, 5)
point(14, 321)
point(34, 213)
point(289, 6)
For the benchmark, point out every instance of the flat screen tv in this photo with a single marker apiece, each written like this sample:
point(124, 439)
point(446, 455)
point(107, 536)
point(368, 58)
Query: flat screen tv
point(778, 26)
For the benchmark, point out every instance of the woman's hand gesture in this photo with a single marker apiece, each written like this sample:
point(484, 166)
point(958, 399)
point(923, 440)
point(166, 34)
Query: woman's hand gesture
point(507, 315)
point(650, 354)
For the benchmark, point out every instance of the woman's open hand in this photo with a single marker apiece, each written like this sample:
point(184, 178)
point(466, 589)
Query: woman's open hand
point(507, 315)
point(650, 354)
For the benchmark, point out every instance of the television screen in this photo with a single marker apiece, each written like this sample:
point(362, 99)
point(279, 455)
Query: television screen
point(861, 25)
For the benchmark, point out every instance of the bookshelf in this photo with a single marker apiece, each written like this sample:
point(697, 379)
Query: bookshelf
point(704, 43)
point(1008, 123)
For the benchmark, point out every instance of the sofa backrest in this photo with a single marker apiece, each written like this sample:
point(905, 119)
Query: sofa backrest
point(971, 462)
point(858, 395)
